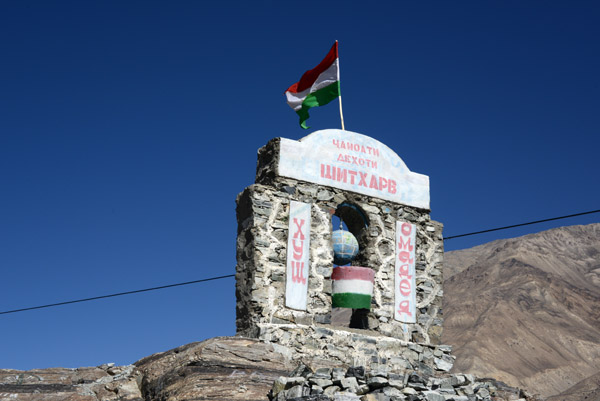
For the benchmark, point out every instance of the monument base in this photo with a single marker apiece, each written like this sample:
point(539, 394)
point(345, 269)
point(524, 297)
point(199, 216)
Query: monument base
point(350, 347)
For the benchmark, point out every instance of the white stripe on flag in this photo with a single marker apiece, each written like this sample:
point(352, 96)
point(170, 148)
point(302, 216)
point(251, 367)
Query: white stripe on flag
point(327, 77)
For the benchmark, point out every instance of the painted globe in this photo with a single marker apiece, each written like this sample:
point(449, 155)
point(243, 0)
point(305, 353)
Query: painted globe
point(345, 247)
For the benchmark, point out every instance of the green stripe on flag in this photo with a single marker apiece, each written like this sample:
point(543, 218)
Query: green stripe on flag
point(351, 300)
point(318, 98)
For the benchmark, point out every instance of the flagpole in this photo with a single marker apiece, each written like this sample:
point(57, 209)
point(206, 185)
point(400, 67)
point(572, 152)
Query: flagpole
point(341, 114)
point(340, 91)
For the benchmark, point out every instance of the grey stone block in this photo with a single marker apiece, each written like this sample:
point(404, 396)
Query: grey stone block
point(433, 396)
point(377, 382)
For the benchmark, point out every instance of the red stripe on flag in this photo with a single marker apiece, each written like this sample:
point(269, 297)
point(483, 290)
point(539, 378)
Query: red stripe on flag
point(310, 76)
point(353, 273)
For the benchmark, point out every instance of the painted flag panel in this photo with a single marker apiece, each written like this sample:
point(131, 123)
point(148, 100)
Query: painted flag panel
point(405, 283)
point(317, 87)
point(352, 287)
point(298, 248)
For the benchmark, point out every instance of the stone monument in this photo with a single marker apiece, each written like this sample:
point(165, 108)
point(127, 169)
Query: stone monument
point(286, 279)
point(294, 288)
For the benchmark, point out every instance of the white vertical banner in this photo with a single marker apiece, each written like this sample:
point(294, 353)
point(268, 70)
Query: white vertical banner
point(298, 252)
point(405, 309)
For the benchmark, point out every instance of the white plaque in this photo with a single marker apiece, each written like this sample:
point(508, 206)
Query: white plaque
point(405, 309)
point(298, 248)
point(353, 162)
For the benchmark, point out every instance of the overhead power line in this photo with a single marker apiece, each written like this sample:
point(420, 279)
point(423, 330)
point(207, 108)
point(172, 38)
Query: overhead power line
point(232, 275)
point(522, 224)
point(116, 295)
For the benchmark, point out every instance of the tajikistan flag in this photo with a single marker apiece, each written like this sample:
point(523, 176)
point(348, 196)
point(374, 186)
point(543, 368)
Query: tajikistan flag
point(317, 87)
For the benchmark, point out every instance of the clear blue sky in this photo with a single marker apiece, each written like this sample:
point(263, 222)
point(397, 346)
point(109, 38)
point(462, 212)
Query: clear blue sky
point(128, 128)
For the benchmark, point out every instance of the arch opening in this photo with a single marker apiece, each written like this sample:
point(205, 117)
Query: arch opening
point(351, 218)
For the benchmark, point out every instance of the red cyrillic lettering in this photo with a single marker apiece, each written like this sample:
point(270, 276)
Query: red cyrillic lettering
point(404, 307)
point(404, 257)
point(382, 183)
point(405, 245)
point(363, 179)
point(299, 227)
point(392, 186)
point(373, 183)
point(326, 171)
point(405, 287)
point(341, 174)
point(404, 270)
point(406, 228)
point(352, 175)
point(298, 272)
point(298, 249)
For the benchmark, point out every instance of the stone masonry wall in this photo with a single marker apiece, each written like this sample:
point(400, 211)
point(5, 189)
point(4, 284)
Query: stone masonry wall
point(352, 347)
point(262, 213)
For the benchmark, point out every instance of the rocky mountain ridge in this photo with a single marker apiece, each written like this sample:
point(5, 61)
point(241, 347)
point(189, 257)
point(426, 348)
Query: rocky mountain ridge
point(527, 310)
point(219, 369)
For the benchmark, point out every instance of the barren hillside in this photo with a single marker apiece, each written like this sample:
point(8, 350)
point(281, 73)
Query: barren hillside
point(526, 310)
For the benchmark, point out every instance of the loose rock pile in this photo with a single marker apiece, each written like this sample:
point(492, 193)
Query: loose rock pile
point(355, 384)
